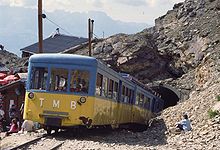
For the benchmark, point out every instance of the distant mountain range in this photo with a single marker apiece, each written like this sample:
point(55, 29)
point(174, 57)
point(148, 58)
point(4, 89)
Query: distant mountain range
point(19, 27)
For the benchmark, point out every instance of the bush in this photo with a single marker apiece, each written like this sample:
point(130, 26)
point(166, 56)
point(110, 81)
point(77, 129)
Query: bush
point(212, 113)
point(218, 97)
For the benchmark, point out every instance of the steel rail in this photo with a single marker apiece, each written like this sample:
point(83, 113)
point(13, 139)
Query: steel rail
point(57, 146)
point(27, 143)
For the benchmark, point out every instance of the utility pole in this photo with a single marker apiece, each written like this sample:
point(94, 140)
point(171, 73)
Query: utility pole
point(40, 27)
point(90, 33)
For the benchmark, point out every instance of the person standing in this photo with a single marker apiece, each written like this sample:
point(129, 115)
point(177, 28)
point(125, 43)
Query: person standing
point(13, 112)
point(2, 121)
point(2, 113)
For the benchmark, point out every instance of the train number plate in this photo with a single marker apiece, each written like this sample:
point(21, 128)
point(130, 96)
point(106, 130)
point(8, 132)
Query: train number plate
point(53, 121)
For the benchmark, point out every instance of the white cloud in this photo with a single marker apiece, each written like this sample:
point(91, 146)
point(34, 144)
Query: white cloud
point(124, 10)
point(131, 2)
point(95, 3)
point(11, 2)
point(159, 3)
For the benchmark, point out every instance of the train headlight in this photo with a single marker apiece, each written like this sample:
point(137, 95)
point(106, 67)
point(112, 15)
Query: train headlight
point(82, 99)
point(31, 95)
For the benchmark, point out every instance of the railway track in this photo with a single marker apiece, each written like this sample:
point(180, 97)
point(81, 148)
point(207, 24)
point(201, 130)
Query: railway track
point(42, 142)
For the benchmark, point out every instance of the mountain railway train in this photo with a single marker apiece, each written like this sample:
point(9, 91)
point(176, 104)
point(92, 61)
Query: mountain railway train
point(69, 91)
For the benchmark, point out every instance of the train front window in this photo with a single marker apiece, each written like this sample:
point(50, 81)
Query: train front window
point(58, 80)
point(79, 81)
point(39, 78)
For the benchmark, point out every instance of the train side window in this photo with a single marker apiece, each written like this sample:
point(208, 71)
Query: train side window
point(79, 82)
point(39, 78)
point(123, 94)
point(146, 102)
point(58, 80)
point(115, 93)
point(141, 100)
point(110, 89)
point(156, 107)
point(131, 97)
point(105, 87)
point(137, 99)
point(99, 84)
point(126, 99)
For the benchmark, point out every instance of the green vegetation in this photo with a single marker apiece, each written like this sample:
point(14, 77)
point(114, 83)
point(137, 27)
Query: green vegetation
point(218, 97)
point(212, 113)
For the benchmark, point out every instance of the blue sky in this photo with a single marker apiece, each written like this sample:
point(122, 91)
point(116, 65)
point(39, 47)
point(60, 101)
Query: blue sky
point(18, 27)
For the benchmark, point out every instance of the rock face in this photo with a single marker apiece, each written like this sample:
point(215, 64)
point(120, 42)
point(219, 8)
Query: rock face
point(10, 60)
point(190, 35)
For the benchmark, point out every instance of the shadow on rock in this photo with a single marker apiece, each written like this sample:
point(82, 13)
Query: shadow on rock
point(153, 136)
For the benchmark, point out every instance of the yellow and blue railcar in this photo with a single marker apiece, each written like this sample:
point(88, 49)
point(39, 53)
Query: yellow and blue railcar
point(66, 90)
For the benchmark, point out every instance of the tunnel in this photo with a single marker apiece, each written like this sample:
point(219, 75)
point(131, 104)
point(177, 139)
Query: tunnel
point(170, 95)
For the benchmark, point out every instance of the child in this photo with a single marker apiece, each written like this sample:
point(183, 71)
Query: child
point(14, 127)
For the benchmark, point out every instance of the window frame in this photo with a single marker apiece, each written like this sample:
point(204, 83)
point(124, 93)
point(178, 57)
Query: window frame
point(39, 83)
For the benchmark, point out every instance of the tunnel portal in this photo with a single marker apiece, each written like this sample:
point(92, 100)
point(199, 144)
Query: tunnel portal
point(169, 94)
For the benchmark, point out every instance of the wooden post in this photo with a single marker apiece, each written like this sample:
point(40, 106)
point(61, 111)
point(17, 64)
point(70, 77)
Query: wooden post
point(40, 27)
point(89, 36)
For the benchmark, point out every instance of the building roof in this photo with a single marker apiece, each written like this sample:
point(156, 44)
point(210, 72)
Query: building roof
point(7, 86)
point(22, 76)
point(56, 43)
point(3, 68)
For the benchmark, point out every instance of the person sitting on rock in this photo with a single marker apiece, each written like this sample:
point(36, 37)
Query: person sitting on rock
point(27, 126)
point(185, 124)
point(14, 127)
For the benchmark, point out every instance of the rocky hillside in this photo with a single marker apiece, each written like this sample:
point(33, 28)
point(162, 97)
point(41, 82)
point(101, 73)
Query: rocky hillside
point(10, 60)
point(190, 35)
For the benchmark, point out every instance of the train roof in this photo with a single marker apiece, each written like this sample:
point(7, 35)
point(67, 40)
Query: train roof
point(63, 59)
point(137, 82)
point(85, 60)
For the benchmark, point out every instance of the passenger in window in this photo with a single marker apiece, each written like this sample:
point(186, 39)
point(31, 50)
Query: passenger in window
point(98, 90)
point(73, 86)
point(65, 85)
point(79, 80)
point(78, 88)
point(84, 87)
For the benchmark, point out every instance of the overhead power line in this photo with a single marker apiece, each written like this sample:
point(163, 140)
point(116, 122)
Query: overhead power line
point(58, 26)
point(54, 23)
point(46, 17)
